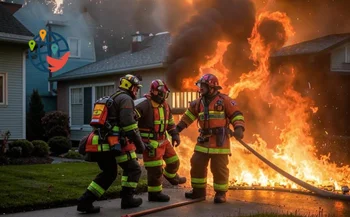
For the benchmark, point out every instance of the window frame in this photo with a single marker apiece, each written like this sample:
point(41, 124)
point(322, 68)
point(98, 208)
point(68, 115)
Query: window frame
point(101, 85)
point(184, 100)
point(347, 53)
point(79, 46)
point(4, 89)
point(93, 96)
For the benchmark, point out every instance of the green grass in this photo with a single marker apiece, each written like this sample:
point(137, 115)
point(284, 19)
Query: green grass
point(29, 187)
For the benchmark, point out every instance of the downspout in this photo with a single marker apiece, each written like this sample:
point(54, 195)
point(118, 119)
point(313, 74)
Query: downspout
point(50, 54)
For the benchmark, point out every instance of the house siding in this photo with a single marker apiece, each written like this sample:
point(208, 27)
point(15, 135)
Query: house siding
point(80, 28)
point(11, 115)
point(340, 58)
point(63, 91)
point(328, 89)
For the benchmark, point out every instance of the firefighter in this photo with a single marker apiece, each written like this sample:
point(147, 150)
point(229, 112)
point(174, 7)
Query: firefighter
point(124, 132)
point(214, 111)
point(155, 121)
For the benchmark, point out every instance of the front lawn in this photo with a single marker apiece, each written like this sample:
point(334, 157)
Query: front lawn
point(29, 187)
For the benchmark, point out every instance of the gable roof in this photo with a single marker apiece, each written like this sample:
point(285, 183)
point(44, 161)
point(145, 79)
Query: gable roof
point(11, 29)
point(313, 46)
point(152, 56)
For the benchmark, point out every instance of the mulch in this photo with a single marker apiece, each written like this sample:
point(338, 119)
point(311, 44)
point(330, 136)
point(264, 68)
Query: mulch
point(24, 161)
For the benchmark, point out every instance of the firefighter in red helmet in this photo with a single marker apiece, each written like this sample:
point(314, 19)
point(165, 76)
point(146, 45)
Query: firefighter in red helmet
point(214, 111)
point(155, 121)
point(115, 141)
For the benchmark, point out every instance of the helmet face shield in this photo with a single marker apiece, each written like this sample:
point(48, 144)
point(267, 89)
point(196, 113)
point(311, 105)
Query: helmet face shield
point(163, 92)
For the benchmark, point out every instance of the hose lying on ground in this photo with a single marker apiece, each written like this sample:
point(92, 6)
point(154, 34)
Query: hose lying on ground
point(297, 181)
point(158, 209)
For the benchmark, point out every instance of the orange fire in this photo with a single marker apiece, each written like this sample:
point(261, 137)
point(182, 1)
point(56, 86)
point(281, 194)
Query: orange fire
point(289, 117)
point(189, 2)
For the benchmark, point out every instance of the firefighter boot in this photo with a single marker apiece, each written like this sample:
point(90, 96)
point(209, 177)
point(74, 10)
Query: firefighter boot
point(128, 200)
point(85, 203)
point(158, 197)
point(196, 193)
point(220, 197)
point(177, 180)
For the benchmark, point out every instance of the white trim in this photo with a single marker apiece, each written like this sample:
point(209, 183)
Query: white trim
point(24, 94)
point(79, 47)
point(15, 38)
point(93, 86)
point(69, 107)
point(5, 89)
point(347, 52)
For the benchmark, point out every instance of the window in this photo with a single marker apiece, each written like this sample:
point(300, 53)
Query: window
point(347, 54)
point(102, 91)
point(74, 47)
point(82, 101)
point(3, 89)
point(180, 100)
point(77, 96)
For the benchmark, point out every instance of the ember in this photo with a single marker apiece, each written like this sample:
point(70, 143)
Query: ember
point(276, 112)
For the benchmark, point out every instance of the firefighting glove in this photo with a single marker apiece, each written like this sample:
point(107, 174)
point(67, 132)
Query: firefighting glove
point(175, 138)
point(238, 134)
point(148, 146)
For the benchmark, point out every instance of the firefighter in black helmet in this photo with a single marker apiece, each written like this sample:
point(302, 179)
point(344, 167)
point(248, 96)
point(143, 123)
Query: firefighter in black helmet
point(121, 117)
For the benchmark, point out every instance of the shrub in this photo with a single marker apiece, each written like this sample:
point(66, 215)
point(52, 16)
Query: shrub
point(41, 148)
point(36, 113)
point(74, 155)
point(27, 147)
point(3, 160)
point(15, 152)
point(59, 145)
point(56, 124)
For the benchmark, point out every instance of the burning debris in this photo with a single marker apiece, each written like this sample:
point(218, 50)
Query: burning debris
point(201, 45)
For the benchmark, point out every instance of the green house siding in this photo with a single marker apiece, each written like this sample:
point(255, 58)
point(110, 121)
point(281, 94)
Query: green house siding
point(11, 114)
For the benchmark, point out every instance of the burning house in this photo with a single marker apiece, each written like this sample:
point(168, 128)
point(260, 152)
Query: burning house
point(244, 48)
point(322, 70)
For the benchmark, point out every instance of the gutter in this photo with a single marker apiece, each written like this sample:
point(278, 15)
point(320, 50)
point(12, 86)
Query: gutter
point(109, 72)
point(22, 39)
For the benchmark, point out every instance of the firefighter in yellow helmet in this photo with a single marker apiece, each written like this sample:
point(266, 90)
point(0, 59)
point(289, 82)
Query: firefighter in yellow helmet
point(118, 147)
point(214, 111)
point(154, 121)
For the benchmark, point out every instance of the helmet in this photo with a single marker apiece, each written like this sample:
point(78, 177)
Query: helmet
point(159, 91)
point(130, 83)
point(211, 80)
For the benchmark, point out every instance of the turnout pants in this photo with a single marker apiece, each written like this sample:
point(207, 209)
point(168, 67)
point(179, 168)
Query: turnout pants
point(108, 164)
point(154, 165)
point(218, 166)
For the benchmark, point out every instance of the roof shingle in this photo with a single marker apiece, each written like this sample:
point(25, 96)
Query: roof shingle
point(154, 54)
point(313, 46)
point(9, 24)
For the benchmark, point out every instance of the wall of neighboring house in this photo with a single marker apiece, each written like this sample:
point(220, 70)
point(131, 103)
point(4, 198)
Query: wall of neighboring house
point(77, 29)
point(12, 94)
point(340, 58)
point(76, 97)
point(327, 88)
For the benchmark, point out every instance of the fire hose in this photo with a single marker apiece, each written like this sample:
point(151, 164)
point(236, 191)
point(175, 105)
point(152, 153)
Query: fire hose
point(158, 209)
point(297, 181)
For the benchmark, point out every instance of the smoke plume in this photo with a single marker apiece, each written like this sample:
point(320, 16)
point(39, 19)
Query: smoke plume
point(228, 20)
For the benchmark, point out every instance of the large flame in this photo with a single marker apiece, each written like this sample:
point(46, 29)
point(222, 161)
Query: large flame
point(290, 117)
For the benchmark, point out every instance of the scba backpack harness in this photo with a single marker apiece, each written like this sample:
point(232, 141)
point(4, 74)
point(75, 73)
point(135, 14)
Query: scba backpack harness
point(105, 136)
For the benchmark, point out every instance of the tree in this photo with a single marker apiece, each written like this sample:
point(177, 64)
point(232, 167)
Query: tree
point(35, 130)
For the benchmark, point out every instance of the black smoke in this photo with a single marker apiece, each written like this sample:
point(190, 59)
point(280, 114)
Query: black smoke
point(229, 20)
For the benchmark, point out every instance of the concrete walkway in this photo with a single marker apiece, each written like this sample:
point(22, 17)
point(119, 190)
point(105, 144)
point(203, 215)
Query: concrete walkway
point(57, 160)
point(239, 203)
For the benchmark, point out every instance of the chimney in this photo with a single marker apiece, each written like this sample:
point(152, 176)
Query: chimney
point(11, 7)
point(137, 39)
